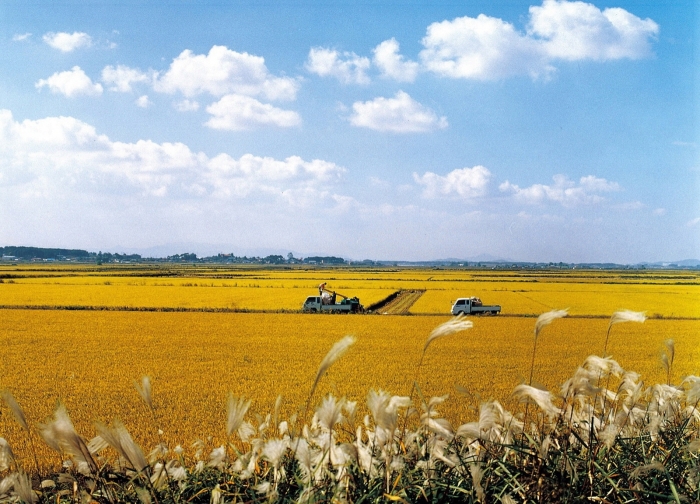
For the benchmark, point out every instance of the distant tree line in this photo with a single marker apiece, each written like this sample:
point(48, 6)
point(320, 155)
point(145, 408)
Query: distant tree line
point(58, 254)
point(29, 253)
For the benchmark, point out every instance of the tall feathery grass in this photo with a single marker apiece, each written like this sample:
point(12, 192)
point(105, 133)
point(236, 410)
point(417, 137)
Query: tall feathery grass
point(586, 442)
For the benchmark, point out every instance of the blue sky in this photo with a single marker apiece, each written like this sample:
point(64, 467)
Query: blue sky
point(554, 131)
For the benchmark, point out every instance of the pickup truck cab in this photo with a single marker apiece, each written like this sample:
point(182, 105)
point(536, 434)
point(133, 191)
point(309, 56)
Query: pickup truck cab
point(473, 305)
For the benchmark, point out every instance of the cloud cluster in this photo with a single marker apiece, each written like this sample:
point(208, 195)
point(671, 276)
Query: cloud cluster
point(239, 112)
point(221, 72)
point(67, 42)
point(121, 78)
point(71, 83)
point(489, 48)
point(480, 48)
point(563, 191)
point(401, 114)
point(238, 80)
point(69, 155)
point(466, 183)
point(392, 65)
point(348, 68)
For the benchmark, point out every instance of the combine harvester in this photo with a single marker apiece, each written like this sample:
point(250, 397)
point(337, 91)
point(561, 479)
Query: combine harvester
point(326, 302)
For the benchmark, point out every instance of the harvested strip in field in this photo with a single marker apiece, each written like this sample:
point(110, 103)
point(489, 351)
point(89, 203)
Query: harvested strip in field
point(400, 303)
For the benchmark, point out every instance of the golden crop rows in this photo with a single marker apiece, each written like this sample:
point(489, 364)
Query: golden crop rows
point(580, 298)
point(597, 293)
point(90, 360)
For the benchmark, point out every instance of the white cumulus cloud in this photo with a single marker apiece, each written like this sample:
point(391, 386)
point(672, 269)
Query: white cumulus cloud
point(348, 68)
point(70, 83)
point(481, 48)
point(143, 101)
point(121, 77)
point(563, 191)
point(578, 30)
point(67, 42)
point(401, 114)
point(238, 112)
point(223, 71)
point(488, 48)
point(463, 182)
point(70, 156)
point(21, 37)
point(392, 64)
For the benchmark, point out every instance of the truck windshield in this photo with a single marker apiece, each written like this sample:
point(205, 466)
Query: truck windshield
point(461, 301)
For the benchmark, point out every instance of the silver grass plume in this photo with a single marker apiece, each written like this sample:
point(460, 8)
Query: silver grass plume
point(119, 438)
point(544, 320)
point(667, 358)
point(7, 458)
point(237, 408)
point(60, 435)
point(15, 409)
point(144, 391)
point(335, 353)
point(547, 318)
point(623, 316)
point(452, 326)
point(23, 488)
point(18, 413)
point(543, 398)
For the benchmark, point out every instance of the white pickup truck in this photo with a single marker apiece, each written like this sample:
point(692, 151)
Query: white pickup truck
point(327, 304)
point(473, 305)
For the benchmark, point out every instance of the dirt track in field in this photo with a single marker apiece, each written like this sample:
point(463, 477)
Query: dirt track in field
point(400, 304)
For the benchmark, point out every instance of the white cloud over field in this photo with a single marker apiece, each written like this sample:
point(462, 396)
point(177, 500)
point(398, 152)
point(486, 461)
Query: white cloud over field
point(71, 83)
point(490, 48)
point(486, 48)
point(401, 114)
point(70, 157)
point(465, 183)
point(348, 68)
point(223, 71)
point(67, 42)
point(563, 191)
point(392, 64)
point(121, 78)
point(238, 112)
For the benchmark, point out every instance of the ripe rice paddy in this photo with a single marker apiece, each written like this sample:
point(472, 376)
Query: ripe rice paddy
point(89, 359)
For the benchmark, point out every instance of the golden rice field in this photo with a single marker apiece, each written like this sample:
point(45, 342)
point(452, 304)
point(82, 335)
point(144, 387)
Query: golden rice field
point(91, 359)
point(595, 293)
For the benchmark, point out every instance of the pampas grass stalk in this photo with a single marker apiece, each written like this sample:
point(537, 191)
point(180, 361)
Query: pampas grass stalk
point(542, 321)
point(622, 316)
point(667, 358)
point(145, 391)
point(21, 419)
point(335, 353)
point(452, 326)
